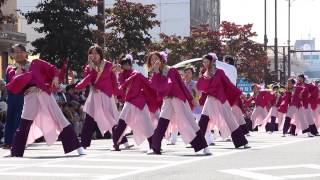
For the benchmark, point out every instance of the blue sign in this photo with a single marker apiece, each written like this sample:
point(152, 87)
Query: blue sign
point(244, 85)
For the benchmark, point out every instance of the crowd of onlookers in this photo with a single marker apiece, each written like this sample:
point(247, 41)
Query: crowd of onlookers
point(3, 108)
point(71, 102)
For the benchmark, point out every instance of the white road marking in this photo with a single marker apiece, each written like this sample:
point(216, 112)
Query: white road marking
point(40, 174)
point(92, 167)
point(158, 161)
point(192, 160)
point(275, 167)
point(172, 157)
point(248, 172)
point(251, 175)
point(6, 165)
point(298, 176)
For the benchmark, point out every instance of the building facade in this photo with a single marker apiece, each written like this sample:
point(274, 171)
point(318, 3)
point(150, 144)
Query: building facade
point(311, 60)
point(205, 12)
point(9, 33)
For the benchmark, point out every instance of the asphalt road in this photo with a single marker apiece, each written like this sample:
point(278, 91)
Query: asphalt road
point(271, 157)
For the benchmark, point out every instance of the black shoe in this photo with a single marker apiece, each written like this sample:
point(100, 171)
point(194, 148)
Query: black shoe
point(129, 147)
point(153, 152)
point(6, 146)
point(115, 148)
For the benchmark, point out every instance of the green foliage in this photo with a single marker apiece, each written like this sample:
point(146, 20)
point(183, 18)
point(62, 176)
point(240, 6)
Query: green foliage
point(65, 28)
point(128, 25)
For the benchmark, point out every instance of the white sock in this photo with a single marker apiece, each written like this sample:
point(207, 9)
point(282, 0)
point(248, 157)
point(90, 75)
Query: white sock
point(126, 144)
point(81, 151)
point(174, 137)
point(206, 151)
point(209, 137)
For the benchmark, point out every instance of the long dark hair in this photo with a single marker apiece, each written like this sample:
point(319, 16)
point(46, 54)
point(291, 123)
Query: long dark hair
point(124, 60)
point(98, 49)
point(156, 53)
point(302, 76)
point(210, 58)
point(293, 82)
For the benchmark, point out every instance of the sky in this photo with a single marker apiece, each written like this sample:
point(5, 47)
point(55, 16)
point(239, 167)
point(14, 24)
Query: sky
point(304, 13)
point(304, 18)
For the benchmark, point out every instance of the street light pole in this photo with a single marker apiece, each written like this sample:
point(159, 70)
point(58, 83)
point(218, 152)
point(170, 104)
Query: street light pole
point(101, 21)
point(266, 70)
point(265, 26)
point(276, 42)
point(160, 14)
point(289, 32)
point(284, 66)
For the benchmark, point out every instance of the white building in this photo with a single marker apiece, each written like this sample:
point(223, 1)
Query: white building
point(311, 60)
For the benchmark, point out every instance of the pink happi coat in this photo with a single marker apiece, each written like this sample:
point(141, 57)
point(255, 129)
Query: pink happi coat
point(238, 111)
point(275, 100)
point(282, 107)
point(137, 94)
point(317, 113)
point(296, 110)
point(310, 103)
point(221, 95)
point(100, 103)
point(176, 102)
point(39, 107)
point(260, 111)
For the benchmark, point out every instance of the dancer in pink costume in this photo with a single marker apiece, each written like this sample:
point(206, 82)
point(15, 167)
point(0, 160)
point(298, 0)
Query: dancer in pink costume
point(41, 115)
point(135, 113)
point(217, 109)
point(100, 106)
point(170, 87)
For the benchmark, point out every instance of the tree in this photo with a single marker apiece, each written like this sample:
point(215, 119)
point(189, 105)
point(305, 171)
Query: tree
point(127, 25)
point(250, 57)
point(66, 28)
point(201, 41)
point(231, 39)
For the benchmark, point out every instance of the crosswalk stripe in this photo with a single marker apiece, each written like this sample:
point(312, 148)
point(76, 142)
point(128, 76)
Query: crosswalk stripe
point(92, 167)
point(158, 161)
point(41, 174)
point(126, 160)
point(299, 176)
point(248, 174)
point(8, 165)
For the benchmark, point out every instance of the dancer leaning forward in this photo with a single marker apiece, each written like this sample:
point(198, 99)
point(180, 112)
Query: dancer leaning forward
point(217, 109)
point(41, 115)
point(138, 97)
point(170, 87)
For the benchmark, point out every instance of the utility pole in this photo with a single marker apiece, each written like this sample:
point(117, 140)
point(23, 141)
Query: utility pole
point(284, 65)
point(160, 14)
point(276, 41)
point(101, 21)
point(289, 46)
point(266, 70)
point(265, 26)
